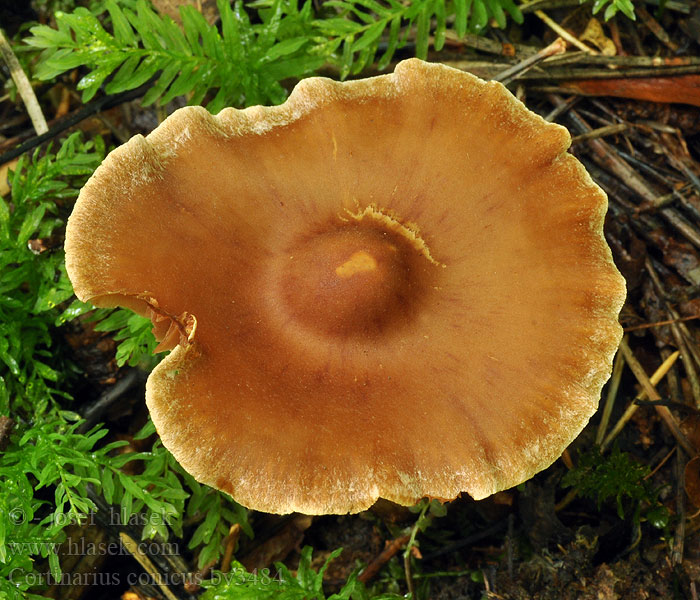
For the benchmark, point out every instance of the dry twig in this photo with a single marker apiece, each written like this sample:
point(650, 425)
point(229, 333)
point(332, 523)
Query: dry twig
point(645, 393)
point(23, 86)
point(652, 394)
point(563, 33)
point(391, 549)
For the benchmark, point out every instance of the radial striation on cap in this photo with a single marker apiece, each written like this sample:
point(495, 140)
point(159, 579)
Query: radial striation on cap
point(394, 287)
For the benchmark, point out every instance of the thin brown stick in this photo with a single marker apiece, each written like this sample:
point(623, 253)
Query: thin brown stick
point(604, 155)
point(663, 461)
point(133, 548)
point(660, 323)
point(566, 459)
point(599, 133)
point(608, 158)
point(563, 33)
point(622, 63)
point(655, 27)
point(663, 411)
point(613, 386)
point(650, 389)
point(231, 540)
point(680, 336)
point(558, 46)
point(484, 44)
point(566, 500)
point(552, 70)
point(679, 534)
point(391, 549)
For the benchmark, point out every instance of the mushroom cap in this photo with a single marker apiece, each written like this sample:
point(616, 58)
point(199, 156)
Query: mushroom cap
point(394, 287)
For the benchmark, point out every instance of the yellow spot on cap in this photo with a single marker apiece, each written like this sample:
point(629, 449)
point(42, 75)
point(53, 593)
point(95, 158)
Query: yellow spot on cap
point(360, 262)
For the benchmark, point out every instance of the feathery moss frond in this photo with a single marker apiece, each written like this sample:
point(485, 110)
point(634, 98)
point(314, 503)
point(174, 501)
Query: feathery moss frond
point(244, 62)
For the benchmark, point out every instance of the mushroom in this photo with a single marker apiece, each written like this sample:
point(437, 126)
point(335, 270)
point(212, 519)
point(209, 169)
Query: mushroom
point(394, 287)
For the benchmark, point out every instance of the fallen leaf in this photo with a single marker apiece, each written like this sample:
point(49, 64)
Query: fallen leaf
point(681, 89)
point(4, 172)
point(595, 35)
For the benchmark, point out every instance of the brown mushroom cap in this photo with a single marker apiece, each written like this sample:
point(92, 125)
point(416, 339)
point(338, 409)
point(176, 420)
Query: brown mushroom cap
point(395, 287)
